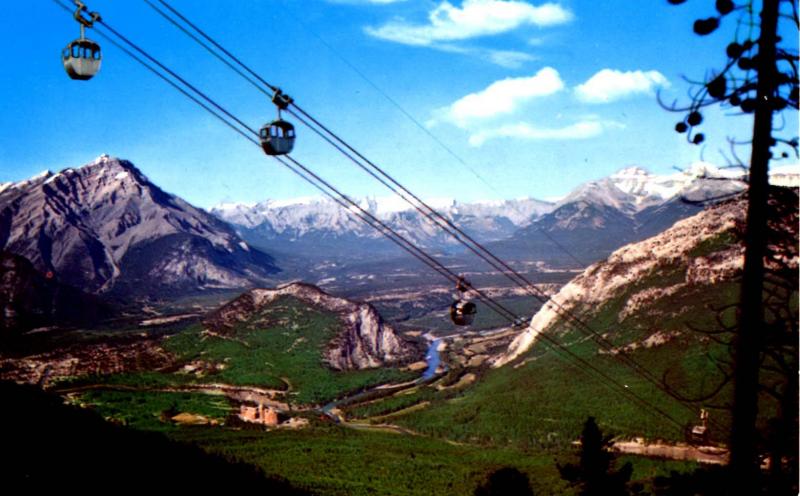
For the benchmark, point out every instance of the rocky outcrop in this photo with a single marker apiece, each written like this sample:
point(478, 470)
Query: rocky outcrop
point(364, 340)
point(105, 226)
point(702, 250)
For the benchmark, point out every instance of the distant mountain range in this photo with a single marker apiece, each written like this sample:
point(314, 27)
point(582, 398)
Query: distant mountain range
point(105, 228)
point(320, 228)
point(585, 226)
point(600, 216)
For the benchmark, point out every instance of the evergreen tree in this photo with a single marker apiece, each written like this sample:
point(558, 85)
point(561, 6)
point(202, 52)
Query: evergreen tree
point(506, 481)
point(594, 474)
point(760, 78)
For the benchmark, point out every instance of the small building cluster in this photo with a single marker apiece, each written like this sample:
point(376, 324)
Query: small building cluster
point(265, 415)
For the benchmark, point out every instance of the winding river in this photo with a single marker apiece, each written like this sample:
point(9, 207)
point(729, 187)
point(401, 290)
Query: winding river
point(433, 359)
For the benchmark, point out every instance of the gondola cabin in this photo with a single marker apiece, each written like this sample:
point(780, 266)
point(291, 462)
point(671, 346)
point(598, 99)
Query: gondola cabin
point(463, 312)
point(82, 59)
point(277, 137)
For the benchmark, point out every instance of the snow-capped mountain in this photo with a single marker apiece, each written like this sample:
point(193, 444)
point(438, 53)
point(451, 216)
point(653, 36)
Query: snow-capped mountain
point(105, 226)
point(600, 216)
point(587, 225)
point(313, 226)
point(634, 189)
point(312, 213)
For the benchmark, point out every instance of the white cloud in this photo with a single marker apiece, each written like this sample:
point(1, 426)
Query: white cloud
point(509, 59)
point(501, 97)
point(523, 130)
point(475, 18)
point(609, 85)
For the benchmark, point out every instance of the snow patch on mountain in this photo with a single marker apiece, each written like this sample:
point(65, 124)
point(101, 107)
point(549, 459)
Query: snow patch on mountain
point(633, 189)
point(785, 175)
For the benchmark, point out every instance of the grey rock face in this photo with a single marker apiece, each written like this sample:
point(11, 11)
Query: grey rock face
point(706, 249)
point(87, 224)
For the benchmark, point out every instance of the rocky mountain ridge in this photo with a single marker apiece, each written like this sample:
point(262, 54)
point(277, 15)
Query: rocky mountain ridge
point(702, 250)
point(364, 341)
point(628, 206)
point(105, 226)
point(319, 227)
point(590, 222)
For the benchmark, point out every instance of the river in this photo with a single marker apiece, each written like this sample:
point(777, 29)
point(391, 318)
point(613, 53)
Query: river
point(433, 359)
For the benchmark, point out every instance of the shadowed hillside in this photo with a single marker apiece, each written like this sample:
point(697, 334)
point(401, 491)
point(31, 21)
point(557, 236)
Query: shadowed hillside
point(47, 443)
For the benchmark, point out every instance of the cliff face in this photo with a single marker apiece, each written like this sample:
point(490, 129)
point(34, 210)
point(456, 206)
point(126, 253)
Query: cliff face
point(364, 340)
point(701, 251)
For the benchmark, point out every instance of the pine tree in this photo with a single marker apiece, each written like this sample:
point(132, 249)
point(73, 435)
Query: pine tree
point(759, 78)
point(594, 474)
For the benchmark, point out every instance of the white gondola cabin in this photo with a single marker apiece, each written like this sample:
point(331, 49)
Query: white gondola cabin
point(82, 59)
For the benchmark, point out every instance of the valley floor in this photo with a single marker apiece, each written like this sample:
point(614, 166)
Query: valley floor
point(358, 445)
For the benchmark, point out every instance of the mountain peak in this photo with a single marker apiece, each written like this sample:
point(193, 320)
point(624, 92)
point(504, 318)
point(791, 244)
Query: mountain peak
point(105, 222)
point(702, 170)
point(105, 163)
point(632, 171)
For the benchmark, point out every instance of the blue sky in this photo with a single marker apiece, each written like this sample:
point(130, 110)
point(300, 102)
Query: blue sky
point(536, 97)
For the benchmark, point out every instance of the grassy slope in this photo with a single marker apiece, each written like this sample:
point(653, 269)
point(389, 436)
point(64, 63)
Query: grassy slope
point(283, 343)
point(340, 461)
point(143, 410)
point(507, 419)
point(47, 444)
point(545, 401)
point(279, 347)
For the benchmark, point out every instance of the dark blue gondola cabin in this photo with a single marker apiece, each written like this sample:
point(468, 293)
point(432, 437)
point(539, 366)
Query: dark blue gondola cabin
point(463, 312)
point(277, 137)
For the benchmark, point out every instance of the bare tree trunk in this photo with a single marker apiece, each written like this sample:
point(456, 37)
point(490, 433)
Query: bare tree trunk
point(744, 464)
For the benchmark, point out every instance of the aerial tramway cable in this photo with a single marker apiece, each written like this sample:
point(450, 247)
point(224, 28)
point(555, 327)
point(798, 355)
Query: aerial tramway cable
point(448, 226)
point(417, 252)
point(373, 221)
point(428, 212)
